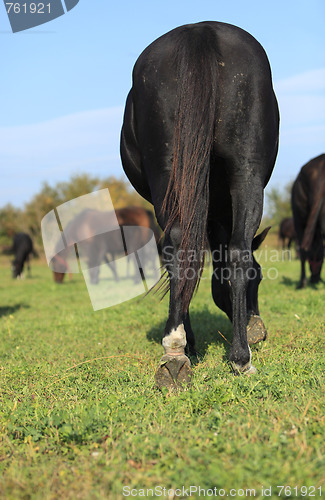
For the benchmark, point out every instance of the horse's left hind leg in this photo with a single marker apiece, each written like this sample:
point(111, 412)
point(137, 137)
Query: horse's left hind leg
point(174, 371)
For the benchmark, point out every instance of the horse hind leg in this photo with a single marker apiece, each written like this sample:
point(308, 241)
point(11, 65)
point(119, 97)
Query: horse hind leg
point(111, 264)
point(174, 370)
point(303, 280)
point(245, 224)
point(28, 267)
point(302, 255)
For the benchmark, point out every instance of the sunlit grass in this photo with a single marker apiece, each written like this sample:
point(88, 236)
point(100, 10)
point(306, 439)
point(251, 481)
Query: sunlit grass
point(80, 416)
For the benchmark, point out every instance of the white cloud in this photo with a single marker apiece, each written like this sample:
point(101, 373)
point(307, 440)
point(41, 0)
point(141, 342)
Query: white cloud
point(302, 99)
point(54, 150)
point(312, 136)
point(301, 109)
point(309, 81)
point(89, 141)
point(75, 133)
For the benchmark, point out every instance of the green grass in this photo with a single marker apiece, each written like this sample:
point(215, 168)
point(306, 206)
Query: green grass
point(80, 417)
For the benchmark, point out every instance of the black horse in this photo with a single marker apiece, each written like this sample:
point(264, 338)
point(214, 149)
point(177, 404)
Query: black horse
point(22, 248)
point(287, 231)
point(199, 141)
point(308, 206)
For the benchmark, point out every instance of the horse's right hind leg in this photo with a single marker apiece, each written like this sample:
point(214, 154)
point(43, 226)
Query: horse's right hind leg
point(28, 267)
point(302, 254)
point(303, 280)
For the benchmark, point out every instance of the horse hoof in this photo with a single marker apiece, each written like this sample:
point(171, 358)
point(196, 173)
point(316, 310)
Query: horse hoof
point(174, 372)
point(256, 331)
point(250, 371)
point(302, 284)
point(245, 370)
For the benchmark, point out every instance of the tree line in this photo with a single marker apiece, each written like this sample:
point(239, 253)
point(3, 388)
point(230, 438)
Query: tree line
point(28, 219)
point(278, 206)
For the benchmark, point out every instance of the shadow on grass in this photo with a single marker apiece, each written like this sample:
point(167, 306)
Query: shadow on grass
point(289, 282)
point(7, 310)
point(206, 327)
point(294, 284)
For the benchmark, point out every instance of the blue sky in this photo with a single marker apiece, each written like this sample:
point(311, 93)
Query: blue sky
point(63, 84)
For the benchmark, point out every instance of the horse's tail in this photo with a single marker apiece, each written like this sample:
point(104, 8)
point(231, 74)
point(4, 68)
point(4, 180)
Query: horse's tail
point(187, 197)
point(313, 217)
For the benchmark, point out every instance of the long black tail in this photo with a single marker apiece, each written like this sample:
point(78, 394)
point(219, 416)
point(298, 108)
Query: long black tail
point(317, 203)
point(187, 196)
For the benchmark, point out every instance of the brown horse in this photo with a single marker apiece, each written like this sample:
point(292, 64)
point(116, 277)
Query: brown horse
point(96, 248)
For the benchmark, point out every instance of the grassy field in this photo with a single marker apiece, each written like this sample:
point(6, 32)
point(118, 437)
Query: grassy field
point(80, 417)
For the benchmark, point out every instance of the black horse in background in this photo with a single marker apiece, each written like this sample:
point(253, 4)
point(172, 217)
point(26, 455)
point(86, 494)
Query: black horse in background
point(308, 206)
point(22, 248)
point(287, 232)
point(199, 141)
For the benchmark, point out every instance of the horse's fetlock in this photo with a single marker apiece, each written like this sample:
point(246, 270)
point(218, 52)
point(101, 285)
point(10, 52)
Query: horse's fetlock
point(175, 341)
point(240, 358)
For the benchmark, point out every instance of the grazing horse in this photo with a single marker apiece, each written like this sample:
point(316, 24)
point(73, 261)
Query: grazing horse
point(199, 141)
point(308, 206)
point(22, 248)
point(287, 230)
point(95, 247)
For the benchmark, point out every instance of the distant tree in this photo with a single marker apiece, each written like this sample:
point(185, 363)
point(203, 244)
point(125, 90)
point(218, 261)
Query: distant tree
point(29, 219)
point(34, 211)
point(278, 202)
point(78, 185)
point(122, 193)
point(11, 222)
point(50, 197)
